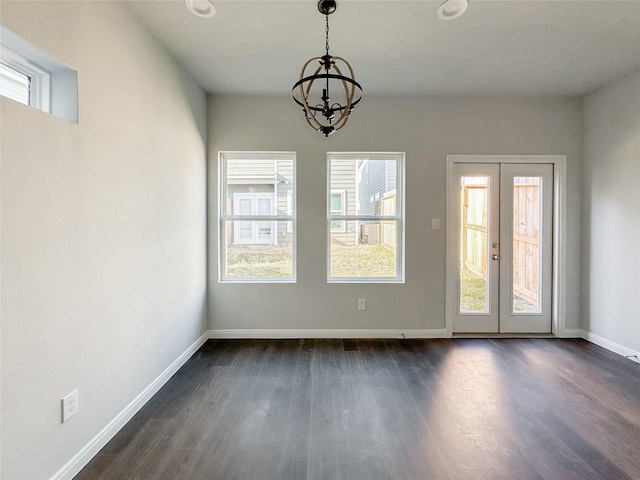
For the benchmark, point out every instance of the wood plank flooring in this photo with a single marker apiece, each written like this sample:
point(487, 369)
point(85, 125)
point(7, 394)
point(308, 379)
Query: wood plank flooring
point(386, 410)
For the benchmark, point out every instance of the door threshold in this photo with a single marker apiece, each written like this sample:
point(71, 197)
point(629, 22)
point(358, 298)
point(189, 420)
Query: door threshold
point(503, 335)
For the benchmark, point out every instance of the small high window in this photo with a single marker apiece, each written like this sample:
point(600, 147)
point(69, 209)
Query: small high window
point(24, 81)
point(33, 77)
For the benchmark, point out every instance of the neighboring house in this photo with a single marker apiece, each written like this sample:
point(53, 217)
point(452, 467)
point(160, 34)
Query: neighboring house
point(377, 196)
point(260, 187)
point(376, 180)
point(363, 187)
point(344, 201)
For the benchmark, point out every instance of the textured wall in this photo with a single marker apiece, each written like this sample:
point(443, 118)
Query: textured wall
point(611, 212)
point(427, 129)
point(103, 232)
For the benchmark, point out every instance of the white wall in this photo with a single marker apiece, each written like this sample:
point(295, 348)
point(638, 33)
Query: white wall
point(103, 232)
point(611, 213)
point(426, 128)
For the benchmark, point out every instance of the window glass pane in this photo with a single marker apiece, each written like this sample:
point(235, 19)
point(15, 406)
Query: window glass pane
point(527, 212)
point(367, 250)
point(14, 84)
point(473, 287)
point(336, 209)
point(257, 186)
point(253, 250)
point(336, 204)
point(374, 181)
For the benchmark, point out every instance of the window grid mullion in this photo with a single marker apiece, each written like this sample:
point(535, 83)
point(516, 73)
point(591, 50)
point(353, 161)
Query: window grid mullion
point(259, 218)
point(365, 218)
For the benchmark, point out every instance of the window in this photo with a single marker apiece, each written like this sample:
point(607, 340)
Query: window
point(14, 84)
point(23, 81)
point(257, 217)
point(33, 77)
point(365, 217)
point(337, 208)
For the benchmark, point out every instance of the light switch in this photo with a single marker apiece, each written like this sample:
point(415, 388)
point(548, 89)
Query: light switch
point(435, 223)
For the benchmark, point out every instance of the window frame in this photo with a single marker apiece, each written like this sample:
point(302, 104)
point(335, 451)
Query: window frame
point(223, 217)
point(398, 218)
point(39, 78)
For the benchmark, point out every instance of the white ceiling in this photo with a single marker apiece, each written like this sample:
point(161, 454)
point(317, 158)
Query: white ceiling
point(517, 47)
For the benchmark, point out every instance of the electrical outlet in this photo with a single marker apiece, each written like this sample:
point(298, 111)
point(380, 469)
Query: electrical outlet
point(362, 305)
point(69, 406)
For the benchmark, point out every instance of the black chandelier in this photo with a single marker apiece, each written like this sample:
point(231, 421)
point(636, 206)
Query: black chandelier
point(335, 113)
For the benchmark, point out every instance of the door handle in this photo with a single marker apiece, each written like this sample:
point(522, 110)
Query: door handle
point(495, 257)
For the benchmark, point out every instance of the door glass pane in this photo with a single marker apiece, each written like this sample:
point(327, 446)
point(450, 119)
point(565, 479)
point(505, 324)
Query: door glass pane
point(245, 230)
point(244, 206)
point(265, 232)
point(264, 206)
point(527, 255)
point(473, 286)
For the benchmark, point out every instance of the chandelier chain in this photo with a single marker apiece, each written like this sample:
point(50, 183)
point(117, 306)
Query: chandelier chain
point(326, 31)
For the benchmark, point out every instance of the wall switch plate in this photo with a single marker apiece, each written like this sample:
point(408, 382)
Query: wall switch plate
point(362, 305)
point(69, 406)
point(435, 223)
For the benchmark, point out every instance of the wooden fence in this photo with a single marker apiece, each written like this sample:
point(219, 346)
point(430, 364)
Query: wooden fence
point(388, 207)
point(526, 238)
point(473, 247)
point(526, 235)
point(382, 233)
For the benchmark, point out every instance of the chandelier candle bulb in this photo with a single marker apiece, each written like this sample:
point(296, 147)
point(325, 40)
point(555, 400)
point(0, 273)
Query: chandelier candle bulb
point(333, 114)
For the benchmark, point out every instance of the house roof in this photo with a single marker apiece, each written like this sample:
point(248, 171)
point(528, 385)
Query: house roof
point(517, 47)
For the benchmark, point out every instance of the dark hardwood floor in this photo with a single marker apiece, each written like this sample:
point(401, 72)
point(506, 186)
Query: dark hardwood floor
point(386, 409)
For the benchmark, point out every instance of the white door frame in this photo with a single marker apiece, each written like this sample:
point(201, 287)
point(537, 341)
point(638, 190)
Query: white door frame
point(559, 232)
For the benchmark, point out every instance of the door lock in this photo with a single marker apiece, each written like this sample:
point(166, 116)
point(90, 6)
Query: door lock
point(495, 257)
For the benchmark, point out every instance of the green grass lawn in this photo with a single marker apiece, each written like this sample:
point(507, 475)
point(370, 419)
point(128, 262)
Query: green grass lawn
point(362, 261)
point(473, 295)
point(259, 261)
point(472, 292)
point(275, 261)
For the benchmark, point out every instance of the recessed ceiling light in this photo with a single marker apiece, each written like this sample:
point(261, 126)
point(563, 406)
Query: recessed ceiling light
point(201, 8)
point(451, 9)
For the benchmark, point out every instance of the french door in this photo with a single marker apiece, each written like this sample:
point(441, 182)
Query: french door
point(503, 244)
point(249, 232)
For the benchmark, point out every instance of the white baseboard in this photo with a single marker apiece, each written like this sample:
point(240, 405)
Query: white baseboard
point(572, 333)
point(612, 346)
point(73, 466)
point(77, 463)
point(601, 342)
point(82, 458)
point(326, 333)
